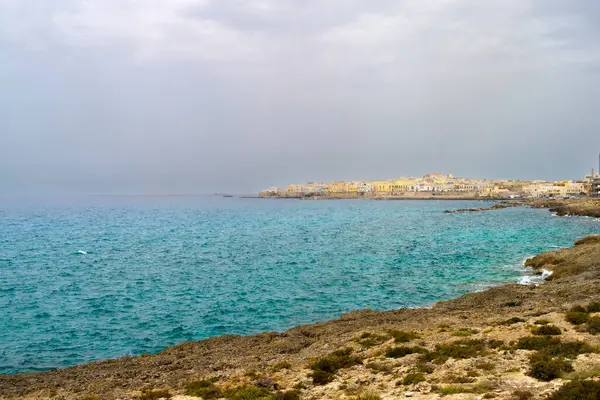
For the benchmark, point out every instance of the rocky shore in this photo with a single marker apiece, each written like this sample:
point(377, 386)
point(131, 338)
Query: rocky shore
point(497, 206)
point(510, 342)
point(568, 207)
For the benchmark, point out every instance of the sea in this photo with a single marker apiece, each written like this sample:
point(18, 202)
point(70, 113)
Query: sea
point(92, 278)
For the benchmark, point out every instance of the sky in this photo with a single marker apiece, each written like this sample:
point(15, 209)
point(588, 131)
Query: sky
point(203, 96)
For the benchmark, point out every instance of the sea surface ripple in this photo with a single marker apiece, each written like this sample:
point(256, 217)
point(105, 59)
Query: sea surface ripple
point(105, 277)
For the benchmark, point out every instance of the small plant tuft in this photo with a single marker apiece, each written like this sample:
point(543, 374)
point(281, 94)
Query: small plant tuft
point(593, 325)
point(522, 394)
point(577, 390)
point(465, 332)
point(546, 330)
point(281, 365)
point(325, 368)
point(413, 378)
point(511, 321)
point(577, 309)
point(368, 395)
point(403, 351)
point(425, 368)
point(403, 337)
point(546, 368)
point(204, 388)
point(460, 349)
point(576, 317)
point(368, 339)
point(155, 394)
point(593, 307)
point(249, 393)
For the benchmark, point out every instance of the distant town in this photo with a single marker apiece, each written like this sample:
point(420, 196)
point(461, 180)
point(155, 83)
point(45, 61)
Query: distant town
point(441, 186)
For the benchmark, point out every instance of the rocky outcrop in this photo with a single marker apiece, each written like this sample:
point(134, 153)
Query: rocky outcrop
point(498, 206)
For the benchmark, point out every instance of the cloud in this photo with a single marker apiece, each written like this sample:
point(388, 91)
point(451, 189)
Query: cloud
point(290, 90)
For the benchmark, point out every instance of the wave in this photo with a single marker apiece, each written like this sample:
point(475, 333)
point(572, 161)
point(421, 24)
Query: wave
point(535, 279)
point(82, 252)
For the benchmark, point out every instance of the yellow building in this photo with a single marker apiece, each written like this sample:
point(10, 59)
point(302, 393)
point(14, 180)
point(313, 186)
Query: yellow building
point(382, 186)
point(402, 185)
point(352, 187)
point(336, 187)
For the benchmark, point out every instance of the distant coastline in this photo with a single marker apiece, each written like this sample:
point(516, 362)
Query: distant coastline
point(377, 196)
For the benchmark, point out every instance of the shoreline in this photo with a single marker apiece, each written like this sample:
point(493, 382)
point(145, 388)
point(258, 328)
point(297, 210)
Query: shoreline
point(236, 361)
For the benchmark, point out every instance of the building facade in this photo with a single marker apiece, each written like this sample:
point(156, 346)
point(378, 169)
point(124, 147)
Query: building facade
point(595, 191)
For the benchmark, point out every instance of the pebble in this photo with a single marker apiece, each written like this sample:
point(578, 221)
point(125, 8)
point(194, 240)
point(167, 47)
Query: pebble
point(409, 394)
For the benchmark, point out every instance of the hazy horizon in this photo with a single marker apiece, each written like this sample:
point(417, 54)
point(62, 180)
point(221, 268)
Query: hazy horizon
point(232, 96)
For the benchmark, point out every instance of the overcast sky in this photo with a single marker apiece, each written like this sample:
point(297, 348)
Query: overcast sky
point(234, 96)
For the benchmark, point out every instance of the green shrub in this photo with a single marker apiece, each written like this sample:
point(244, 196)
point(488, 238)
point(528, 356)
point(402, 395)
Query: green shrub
point(281, 365)
point(453, 389)
point(593, 307)
point(522, 394)
point(576, 317)
point(368, 339)
point(577, 390)
point(204, 388)
point(154, 394)
point(546, 330)
point(460, 349)
point(554, 346)
point(324, 368)
point(536, 343)
point(249, 393)
point(485, 365)
point(368, 395)
point(425, 368)
point(454, 378)
point(379, 367)
point(403, 337)
point(546, 368)
point(413, 378)
point(593, 325)
point(403, 351)
point(289, 395)
point(577, 309)
point(465, 332)
point(494, 343)
point(511, 321)
point(320, 377)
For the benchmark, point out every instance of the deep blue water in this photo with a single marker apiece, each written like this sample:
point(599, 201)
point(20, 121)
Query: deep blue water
point(159, 271)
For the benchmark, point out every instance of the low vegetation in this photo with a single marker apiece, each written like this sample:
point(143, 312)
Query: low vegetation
point(465, 332)
point(576, 317)
point(368, 339)
point(155, 394)
point(511, 321)
point(403, 337)
point(593, 325)
point(413, 378)
point(546, 368)
point(403, 351)
point(546, 330)
point(460, 349)
point(368, 395)
point(204, 388)
point(325, 368)
point(577, 390)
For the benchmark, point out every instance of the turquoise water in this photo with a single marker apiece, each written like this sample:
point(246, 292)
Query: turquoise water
point(106, 277)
